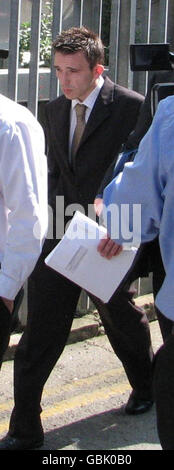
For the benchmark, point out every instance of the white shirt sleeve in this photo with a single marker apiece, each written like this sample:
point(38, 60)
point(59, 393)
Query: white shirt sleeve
point(23, 200)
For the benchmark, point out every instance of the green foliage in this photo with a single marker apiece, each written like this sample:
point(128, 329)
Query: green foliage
point(46, 36)
point(45, 39)
point(25, 32)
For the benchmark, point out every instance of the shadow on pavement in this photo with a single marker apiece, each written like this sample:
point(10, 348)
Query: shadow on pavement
point(105, 431)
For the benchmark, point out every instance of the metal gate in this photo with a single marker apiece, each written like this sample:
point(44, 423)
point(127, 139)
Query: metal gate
point(129, 21)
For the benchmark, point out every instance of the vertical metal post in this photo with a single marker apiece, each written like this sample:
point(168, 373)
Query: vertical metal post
point(132, 37)
point(91, 14)
point(100, 17)
point(96, 16)
point(34, 62)
point(81, 13)
point(141, 80)
point(147, 32)
point(56, 28)
point(114, 39)
point(77, 13)
point(14, 49)
point(170, 23)
point(163, 19)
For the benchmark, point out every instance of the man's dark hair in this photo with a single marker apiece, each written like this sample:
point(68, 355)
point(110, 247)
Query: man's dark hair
point(80, 39)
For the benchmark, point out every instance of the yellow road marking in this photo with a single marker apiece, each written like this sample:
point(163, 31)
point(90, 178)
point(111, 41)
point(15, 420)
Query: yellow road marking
point(85, 381)
point(76, 402)
point(85, 399)
point(70, 386)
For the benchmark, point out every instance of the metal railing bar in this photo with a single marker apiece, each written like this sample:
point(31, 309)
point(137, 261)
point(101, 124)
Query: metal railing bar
point(114, 39)
point(14, 49)
point(34, 61)
point(56, 27)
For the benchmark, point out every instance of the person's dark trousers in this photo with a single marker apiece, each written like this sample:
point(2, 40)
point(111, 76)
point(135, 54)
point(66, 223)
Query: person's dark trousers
point(52, 301)
point(128, 331)
point(8, 323)
point(5, 329)
point(163, 377)
point(164, 392)
point(52, 304)
point(158, 276)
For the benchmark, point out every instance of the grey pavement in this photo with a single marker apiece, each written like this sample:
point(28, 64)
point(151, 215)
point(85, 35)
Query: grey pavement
point(84, 399)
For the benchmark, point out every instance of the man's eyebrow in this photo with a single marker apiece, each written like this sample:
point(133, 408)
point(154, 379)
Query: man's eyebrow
point(69, 67)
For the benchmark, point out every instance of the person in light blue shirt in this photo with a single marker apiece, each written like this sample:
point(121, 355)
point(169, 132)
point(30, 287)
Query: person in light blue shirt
point(149, 181)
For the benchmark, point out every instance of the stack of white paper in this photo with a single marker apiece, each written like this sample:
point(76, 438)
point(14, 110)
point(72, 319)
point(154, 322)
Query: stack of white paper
point(76, 257)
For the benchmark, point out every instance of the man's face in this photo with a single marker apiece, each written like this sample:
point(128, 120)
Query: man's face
point(76, 78)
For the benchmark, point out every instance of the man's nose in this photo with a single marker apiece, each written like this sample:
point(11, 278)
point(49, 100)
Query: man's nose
point(65, 79)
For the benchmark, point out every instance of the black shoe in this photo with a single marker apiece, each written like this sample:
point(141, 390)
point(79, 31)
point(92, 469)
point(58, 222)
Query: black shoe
point(14, 443)
point(136, 405)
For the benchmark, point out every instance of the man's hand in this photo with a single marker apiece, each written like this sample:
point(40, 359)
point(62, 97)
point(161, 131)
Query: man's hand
point(8, 303)
point(98, 206)
point(108, 248)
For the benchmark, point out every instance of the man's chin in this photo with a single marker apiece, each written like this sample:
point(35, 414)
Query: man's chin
point(69, 94)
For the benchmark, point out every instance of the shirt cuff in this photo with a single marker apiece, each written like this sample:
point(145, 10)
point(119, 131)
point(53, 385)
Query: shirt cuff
point(9, 288)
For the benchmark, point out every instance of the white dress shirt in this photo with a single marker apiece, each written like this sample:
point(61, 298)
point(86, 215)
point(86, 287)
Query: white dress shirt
point(149, 181)
point(23, 195)
point(89, 103)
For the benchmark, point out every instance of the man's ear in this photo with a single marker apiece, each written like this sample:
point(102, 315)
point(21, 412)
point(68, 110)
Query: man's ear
point(98, 70)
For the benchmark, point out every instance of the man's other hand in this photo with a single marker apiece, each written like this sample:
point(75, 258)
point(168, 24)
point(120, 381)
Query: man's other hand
point(108, 248)
point(8, 303)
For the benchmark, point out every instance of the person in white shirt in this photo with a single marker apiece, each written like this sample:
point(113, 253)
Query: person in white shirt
point(23, 204)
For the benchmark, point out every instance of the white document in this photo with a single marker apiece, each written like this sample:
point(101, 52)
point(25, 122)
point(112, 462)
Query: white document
point(77, 258)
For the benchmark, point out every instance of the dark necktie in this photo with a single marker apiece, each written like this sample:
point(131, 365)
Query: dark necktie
point(80, 114)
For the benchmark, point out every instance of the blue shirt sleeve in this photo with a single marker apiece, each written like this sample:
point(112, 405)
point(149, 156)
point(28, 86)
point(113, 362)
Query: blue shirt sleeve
point(148, 183)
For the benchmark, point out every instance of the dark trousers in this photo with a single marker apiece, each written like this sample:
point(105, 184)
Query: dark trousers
point(8, 322)
point(163, 377)
point(5, 329)
point(52, 303)
point(163, 383)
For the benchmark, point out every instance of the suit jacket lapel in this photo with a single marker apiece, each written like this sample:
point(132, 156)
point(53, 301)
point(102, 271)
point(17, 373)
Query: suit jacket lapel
point(62, 120)
point(101, 109)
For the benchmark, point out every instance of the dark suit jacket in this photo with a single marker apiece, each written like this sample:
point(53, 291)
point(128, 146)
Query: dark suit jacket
point(113, 117)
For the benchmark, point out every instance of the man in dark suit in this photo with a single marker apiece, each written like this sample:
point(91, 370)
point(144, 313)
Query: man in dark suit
point(76, 169)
